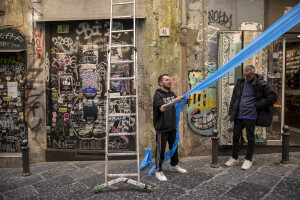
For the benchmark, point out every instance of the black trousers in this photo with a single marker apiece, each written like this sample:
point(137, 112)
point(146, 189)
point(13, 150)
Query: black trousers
point(239, 125)
point(161, 143)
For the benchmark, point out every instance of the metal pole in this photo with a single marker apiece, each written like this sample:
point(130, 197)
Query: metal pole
point(285, 145)
point(215, 149)
point(25, 157)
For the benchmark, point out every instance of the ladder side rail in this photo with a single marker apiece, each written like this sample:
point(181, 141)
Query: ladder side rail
point(136, 81)
point(108, 90)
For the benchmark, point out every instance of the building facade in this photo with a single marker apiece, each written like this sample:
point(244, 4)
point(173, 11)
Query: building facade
point(50, 49)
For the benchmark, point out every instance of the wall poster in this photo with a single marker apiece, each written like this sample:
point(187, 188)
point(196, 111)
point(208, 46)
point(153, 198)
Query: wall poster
point(66, 84)
point(89, 82)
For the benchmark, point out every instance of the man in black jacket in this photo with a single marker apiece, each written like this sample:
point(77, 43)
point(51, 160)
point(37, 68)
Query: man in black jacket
point(251, 104)
point(164, 121)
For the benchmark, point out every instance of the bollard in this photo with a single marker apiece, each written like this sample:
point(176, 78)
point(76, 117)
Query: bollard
point(285, 145)
point(25, 157)
point(215, 149)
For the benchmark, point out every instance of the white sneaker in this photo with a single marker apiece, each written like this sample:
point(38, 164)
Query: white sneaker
point(247, 164)
point(160, 176)
point(177, 169)
point(231, 162)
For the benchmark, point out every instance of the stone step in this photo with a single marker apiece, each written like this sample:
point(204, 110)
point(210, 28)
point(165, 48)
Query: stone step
point(10, 160)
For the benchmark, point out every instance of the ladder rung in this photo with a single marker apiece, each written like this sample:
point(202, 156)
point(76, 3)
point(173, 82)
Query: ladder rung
point(122, 154)
point(120, 175)
point(123, 3)
point(118, 46)
point(120, 134)
point(122, 31)
point(121, 115)
point(122, 62)
point(125, 96)
point(122, 78)
point(123, 17)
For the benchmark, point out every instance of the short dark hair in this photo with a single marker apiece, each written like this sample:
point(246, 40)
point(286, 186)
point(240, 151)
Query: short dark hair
point(250, 67)
point(160, 78)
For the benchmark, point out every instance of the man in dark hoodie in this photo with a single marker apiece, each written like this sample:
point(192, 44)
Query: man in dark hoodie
point(251, 104)
point(164, 120)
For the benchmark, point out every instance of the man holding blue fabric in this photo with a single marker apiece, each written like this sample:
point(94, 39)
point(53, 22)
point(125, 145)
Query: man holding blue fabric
point(164, 120)
point(251, 104)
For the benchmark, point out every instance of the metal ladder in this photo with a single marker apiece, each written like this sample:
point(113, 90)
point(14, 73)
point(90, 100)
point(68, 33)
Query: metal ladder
point(133, 62)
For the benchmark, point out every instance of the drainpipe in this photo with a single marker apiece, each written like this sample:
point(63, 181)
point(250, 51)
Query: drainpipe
point(183, 44)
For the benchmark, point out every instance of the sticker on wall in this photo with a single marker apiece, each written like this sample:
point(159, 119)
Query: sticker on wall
point(90, 110)
point(90, 54)
point(117, 87)
point(62, 28)
point(7, 98)
point(66, 116)
point(89, 82)
point(71, 132)
point(117, 26)
point(64, 110)
point(88, 67)
point(12, 89)
point(66, 84)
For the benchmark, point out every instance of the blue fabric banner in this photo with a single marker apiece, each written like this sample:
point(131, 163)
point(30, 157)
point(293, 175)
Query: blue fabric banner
point(277, 29)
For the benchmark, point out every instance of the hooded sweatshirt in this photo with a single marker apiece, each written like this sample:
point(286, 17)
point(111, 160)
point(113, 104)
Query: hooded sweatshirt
point(164, 121)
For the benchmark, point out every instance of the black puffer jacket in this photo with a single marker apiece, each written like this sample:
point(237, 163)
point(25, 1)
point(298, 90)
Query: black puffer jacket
point(265, 96)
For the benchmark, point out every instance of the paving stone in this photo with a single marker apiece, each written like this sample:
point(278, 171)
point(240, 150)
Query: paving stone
point(212, 171)
point(83, 164)
point(82, 173)
point(295, 154)
point(288, 188)
point(8, 172)
point(98, 167)
point(191, 179)
point(45, 166)
point(263, 179)
point(193, 162)
point(277, 169)
point(52, 185)
point(165, 191)
point(124, 168)
point(7, 184)
point(66, 169)
point(27, 192)
point(245, 190)
point(208, 190)
point(70, 191)
point(295, 174)
point(103, 195)
point(232, 177)
point(272, 196)
point(94, 180)
point(127, 191)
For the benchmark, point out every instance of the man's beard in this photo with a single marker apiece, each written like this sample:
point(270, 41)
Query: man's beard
point(166, 87)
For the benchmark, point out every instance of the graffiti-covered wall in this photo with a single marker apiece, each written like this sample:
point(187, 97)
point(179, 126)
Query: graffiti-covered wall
point(13, 128)
point(77, 81)
point(207, 18)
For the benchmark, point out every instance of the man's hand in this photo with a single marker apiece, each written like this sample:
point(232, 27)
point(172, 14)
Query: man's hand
point(179, 99)
point(188, 101)
point(167, 106)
